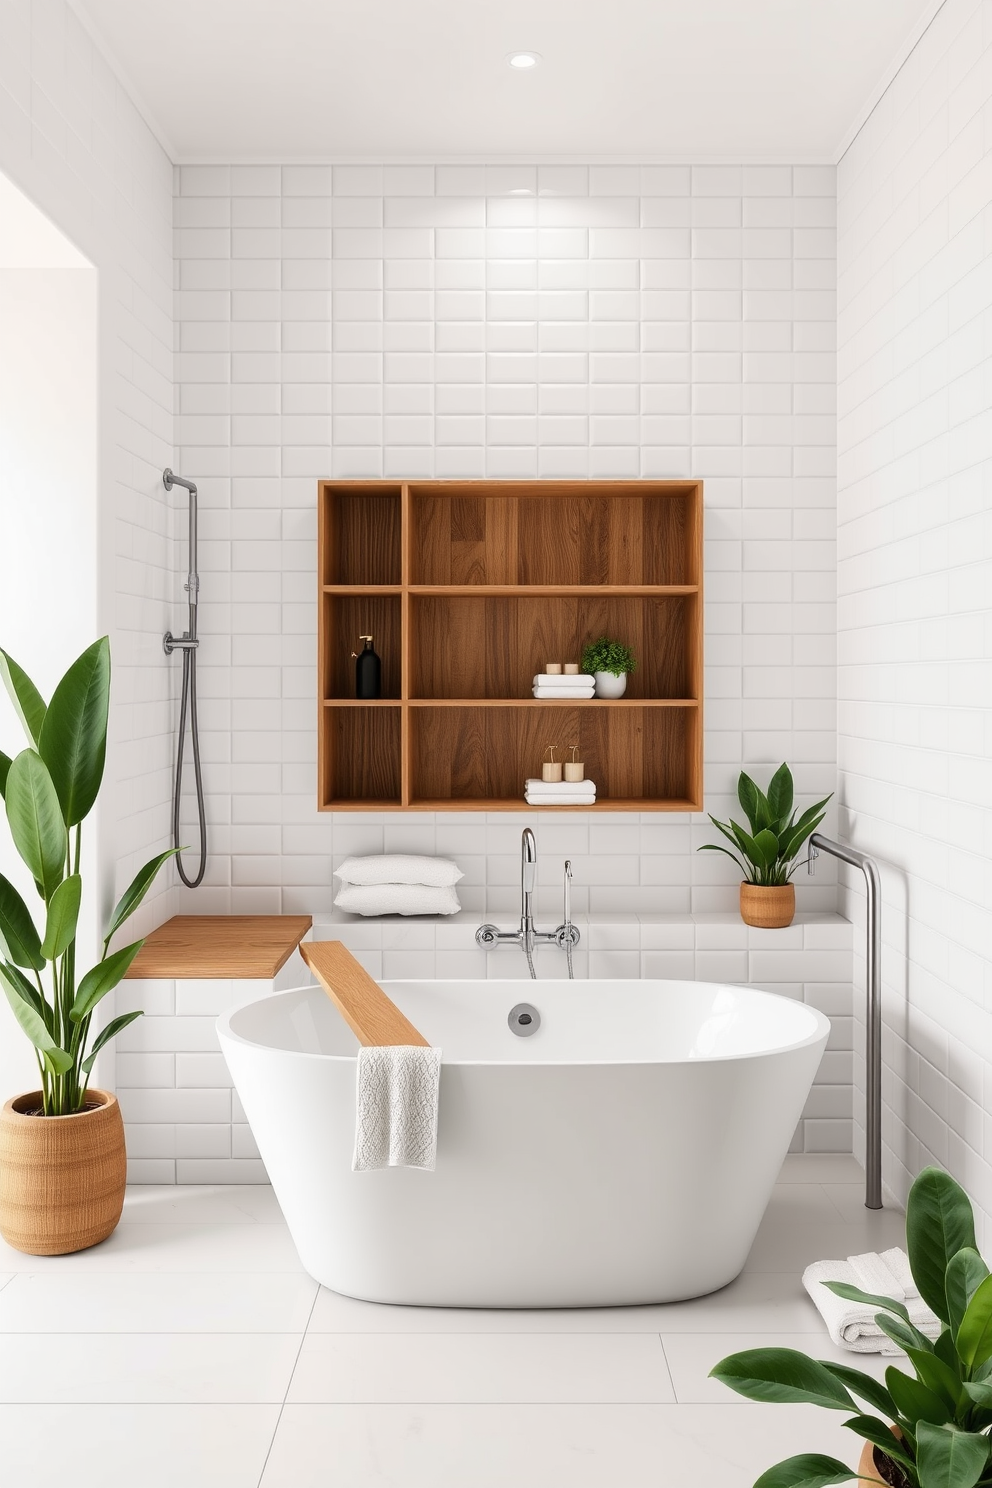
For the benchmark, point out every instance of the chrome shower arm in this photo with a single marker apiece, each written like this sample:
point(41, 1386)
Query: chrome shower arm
point(873, 1006)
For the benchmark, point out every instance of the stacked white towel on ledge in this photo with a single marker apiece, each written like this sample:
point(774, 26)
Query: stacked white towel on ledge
point(398, 883)
point(852, 1324)
point(574, 685)
point(396, 1111)
point(560, 792)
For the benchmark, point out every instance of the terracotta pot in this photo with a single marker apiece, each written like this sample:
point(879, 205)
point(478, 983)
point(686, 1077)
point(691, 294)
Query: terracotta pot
point(770, 908)
point(61, 1177)
point(867, 1467)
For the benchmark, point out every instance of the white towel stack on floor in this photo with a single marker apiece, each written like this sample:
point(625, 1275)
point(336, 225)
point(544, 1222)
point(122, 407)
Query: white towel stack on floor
point(567, 685)
point(560, 792)
point(852, 1324)
point(398, 883)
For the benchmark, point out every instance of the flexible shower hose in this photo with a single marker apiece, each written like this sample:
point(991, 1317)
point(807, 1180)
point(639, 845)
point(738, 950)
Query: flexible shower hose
point(188, 704)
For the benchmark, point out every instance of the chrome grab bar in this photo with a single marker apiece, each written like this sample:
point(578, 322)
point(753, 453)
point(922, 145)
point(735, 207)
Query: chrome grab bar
point(873, 1005)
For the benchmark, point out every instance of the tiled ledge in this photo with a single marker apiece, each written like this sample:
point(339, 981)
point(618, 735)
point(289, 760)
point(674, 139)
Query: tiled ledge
point(185, 1123)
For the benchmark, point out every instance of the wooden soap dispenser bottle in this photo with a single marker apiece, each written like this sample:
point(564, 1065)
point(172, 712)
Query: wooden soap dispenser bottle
point(368, 671)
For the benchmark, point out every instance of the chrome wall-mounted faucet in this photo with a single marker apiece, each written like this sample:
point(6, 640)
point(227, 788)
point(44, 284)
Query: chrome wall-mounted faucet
point(567, 934)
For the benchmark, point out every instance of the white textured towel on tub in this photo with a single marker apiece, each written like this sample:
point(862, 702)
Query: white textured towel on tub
point(396, 1114)
point(852, 1325)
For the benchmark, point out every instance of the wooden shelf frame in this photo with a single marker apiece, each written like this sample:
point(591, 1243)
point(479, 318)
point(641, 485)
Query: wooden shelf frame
point(457, 580)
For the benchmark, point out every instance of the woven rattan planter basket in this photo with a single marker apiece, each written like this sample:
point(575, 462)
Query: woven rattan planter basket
point(769, 908)
point(61, 1177)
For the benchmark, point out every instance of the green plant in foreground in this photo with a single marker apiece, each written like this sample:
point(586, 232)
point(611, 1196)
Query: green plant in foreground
point(764, 854)
point(944, 1408)
point(48, 789)
point(605, 655)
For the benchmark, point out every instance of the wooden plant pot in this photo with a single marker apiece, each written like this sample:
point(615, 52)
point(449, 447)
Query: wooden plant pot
point(769, 908)
point(61, 1177)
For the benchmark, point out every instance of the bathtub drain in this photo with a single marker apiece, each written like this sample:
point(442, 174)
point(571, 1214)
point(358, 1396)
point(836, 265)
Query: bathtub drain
point(524, 1020)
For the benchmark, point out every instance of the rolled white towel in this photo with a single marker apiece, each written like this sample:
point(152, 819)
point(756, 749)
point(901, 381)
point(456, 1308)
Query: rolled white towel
point(852, 1325)
point(396, 1107)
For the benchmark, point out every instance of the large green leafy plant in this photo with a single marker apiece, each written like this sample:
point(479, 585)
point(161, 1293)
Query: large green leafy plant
point(943, 1410)
point(765, 854)
point(48, 790)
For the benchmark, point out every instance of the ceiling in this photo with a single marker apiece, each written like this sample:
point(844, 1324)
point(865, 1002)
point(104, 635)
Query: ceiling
point(428, 79)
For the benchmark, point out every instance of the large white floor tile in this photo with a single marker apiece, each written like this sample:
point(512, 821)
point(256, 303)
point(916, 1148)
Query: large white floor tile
point(803, 1203)
point(158, 1302)
point(791, 1246)
point(764, 1301)
point(849, 1201)
point(821, 1167)
point(172, 1247)
point(5, 1277)
point(467, 1368)
point(148, 1368)
point(534, 1446)
point(167, 1203)
point(691, 1356)
point(135, 1446)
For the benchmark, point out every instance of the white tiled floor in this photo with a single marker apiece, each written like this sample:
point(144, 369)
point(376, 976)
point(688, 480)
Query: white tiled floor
point(191, 1349)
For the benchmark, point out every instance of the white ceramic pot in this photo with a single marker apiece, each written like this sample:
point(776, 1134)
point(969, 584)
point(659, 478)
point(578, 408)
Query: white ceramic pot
point(608, 686)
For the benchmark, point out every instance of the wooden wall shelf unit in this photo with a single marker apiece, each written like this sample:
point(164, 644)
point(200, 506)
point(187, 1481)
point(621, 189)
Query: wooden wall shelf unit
point(469, 587)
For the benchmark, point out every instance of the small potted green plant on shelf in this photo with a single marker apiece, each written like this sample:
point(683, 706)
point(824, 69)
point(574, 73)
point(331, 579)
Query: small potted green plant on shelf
point(932, 1427)
point(609, 662)
point(766, 853)
point(62, 1155)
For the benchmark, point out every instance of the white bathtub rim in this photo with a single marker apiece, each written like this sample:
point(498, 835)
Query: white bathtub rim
point(820, 1033)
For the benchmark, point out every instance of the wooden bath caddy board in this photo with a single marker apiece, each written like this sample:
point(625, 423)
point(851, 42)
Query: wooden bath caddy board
point(372, 1016)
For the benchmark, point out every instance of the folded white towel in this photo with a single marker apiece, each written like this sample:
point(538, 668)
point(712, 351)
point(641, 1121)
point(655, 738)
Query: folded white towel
point(533, 800)
point(397, 898)
point(399, 868)
point(559, 693)
point(566, 679)
point(561, 787)
point(852, 1325)
point(396, 1110)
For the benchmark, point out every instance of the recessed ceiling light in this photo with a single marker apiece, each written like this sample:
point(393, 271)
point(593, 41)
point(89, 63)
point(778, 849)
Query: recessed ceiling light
point(523, 60)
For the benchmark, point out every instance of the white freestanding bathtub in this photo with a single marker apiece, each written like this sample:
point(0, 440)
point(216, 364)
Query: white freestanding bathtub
point(624, 1153)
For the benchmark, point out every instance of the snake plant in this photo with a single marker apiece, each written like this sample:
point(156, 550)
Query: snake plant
point(764, 854)
point(48, 789)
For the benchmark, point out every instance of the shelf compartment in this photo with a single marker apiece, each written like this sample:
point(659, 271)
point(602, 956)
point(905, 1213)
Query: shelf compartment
point(359, 767)
point(345, 618)
point(605, 533)
point(478, 757)
point(360, 533)
point(463, 647)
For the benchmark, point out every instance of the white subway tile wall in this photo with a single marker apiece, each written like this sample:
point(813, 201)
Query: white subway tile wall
point(74, 143)
point(915, 574)
point(185, 1123)
point(500, 321)
point(504, 321)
